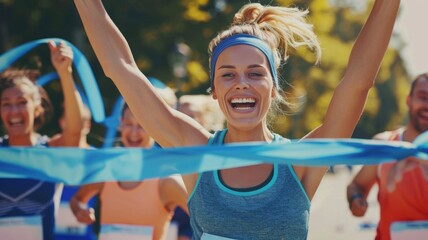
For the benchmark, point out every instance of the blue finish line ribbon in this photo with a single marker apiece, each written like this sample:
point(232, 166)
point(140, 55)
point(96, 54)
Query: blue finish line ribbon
point(76, 166)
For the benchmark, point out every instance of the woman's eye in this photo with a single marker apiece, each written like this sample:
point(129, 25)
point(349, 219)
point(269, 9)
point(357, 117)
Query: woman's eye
point(423, 97)
point(255, 74)
point(227, 75)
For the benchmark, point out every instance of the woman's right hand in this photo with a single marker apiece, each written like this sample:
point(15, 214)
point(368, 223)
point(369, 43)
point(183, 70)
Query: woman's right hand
point(85, 215)
point(358, 206)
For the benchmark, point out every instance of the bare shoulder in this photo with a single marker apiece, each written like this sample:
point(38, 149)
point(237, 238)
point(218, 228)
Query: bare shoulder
point(173, 181)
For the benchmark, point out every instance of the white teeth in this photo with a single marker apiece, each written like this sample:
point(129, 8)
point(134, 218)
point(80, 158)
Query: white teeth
point(243, 100)
point(15, 120)
point(134, 141)
point(243, 108)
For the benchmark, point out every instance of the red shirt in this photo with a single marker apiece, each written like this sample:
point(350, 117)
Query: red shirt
point(409, 201)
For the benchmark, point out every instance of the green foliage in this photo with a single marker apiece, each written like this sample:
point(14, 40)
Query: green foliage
point(153, 27)
point(337, 29)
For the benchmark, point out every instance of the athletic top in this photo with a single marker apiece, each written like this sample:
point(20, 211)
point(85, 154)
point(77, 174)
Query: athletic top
point(29, 197)
point(138, 206)
point(409, 200)
point(278, 209)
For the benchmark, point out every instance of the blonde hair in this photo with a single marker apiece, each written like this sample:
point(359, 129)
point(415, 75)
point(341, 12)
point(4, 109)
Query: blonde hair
point(280, 27)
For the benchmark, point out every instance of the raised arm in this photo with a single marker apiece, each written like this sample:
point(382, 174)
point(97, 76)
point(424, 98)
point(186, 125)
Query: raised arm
point(366, 56)
point(166, 125)
point(62, 57)
point(350, 96)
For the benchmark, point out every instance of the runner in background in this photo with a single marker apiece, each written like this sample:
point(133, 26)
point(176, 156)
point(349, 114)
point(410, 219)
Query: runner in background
point(408, 201)
point(31, 204)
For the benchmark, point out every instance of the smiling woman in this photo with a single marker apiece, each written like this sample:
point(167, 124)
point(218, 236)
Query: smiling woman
point(24, 108)
point(264, 201)
point(144, 205)
point(22, 96)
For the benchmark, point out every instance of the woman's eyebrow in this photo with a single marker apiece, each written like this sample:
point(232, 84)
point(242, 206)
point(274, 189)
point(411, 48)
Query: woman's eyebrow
point(256, 66)
point(226, 66)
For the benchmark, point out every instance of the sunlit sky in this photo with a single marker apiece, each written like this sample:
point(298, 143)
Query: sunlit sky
point(413, 26)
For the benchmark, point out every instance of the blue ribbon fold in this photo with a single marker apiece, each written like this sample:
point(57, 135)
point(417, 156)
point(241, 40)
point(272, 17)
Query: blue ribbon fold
point(81, 64)
point(112, 123)
point(76, 166)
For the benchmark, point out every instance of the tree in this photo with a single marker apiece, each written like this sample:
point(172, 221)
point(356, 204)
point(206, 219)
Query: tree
point(153, 28)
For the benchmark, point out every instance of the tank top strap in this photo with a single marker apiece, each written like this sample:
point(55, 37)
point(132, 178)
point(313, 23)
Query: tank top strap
point(218, 137)
point(4, 141)
point(396, 135)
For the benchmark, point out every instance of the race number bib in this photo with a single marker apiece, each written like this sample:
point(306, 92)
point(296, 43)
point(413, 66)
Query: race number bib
point(66, 223)
point(206, 236)
point(123, 231)
point(409, 230)
point(18, 228)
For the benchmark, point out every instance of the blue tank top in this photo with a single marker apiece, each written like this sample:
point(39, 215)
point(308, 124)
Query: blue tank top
point(277, 210)
point(28, 197)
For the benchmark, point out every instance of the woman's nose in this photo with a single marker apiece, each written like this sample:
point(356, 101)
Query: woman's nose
point(14, 108)
point(242, 82)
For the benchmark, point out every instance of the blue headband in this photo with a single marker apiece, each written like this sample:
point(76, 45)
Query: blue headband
point(244, 39)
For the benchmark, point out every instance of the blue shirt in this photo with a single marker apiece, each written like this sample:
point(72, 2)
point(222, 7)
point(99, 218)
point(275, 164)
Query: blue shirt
point(28, 197)
point(279, 209)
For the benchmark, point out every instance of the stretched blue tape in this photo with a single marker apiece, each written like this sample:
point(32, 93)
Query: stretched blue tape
point(81, 64)
point(76, 166)
point(112, 123)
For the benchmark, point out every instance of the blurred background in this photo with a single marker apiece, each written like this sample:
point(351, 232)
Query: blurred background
point(169, 41)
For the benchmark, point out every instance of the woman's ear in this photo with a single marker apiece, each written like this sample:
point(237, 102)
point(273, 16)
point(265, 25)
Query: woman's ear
point(214, 95)
point(273, 93)
point(38, 111)
point(408, 101)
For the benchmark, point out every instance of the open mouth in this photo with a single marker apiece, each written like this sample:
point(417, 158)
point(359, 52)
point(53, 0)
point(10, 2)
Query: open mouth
point(243, 103)
point(134, 143)
point(16, 122)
